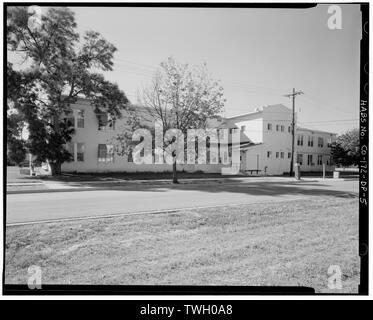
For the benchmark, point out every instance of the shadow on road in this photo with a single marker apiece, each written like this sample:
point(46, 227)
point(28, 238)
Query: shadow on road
point(252, 188)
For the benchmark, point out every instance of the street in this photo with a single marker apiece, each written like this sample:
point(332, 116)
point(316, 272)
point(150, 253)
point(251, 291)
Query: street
point(109, 199)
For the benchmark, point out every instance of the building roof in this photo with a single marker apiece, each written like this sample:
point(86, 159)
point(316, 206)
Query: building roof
point(314, 131)
point(259, 110)
point(245, 145)
point(243, 115)
point(223, 122)
point(263, 108)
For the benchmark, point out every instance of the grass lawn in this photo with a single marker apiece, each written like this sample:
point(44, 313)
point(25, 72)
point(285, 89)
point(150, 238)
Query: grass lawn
point(283, 243)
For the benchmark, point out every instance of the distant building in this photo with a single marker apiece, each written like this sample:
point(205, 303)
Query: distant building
point(269, 128)
point(265, 143)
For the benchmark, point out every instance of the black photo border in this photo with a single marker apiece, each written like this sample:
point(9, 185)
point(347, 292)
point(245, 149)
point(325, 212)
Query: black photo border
point(13, 289)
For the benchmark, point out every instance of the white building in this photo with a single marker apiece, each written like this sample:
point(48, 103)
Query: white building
point(270, 129)
point(265, 144)
point(313, 149)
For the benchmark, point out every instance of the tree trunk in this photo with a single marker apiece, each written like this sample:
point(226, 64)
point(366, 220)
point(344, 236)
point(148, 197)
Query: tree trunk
point(55, 168)
point(174, 172)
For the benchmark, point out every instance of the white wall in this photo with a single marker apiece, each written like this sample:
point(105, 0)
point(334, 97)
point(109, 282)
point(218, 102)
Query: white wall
point(277, 140)
point(268, 140)
point(253, 129)
point(92, 137)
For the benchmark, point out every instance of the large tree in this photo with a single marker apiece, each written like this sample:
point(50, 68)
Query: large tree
point(181, 97)
point(57, 68)
point(346, 150)
point(16, 151)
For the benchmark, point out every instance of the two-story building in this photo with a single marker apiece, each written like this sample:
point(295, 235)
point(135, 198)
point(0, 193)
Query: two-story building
point(265, 147)
point(269, 127)
point(313, 149)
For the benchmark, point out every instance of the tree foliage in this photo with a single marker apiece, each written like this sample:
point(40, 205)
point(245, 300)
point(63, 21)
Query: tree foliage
point(181, 97)
point(57, 69)
point(16, 152)
point(346, 150)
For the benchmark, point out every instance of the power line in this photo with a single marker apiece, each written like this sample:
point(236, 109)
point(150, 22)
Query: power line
point(322, 108)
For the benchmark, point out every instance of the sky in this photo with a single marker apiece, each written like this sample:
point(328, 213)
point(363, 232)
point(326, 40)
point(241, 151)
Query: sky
point(258, 54)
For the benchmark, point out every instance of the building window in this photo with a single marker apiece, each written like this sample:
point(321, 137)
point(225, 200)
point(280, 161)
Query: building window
point(329, 142)
point(105, 122)
point(300, 140)
point(289, 155)
point(282, 155)
point(102, 121)
point(70, 119)
point(70, 149)
point(328, 161)
point(129, 158)
point(310, 141)
point(300, 158)
point(289, 129)
point(76, 150)
point(282, 128)
point(277, 154)
point(320, 142)
point(319, 159)
point(269, 154)
point(80, 119)
point(243, 128)
point(269, 126)
point(105, 153)
point(80, 152)
point(309, 160)
point(277, 127)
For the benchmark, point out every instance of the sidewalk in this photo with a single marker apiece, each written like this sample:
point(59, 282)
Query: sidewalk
point(41, 186)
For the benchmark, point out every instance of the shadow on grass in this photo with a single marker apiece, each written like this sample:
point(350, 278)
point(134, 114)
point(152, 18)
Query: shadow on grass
point(131, 176)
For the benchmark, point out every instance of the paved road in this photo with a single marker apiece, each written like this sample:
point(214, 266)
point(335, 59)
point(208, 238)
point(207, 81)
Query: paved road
point(115, 200)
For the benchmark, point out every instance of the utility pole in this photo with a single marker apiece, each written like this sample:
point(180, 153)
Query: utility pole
point(293, 95)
